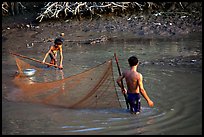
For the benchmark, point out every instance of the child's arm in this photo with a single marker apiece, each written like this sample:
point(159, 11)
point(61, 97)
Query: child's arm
point(61, 57)
point(119, 79)
point(49, 51)
point(144, 93)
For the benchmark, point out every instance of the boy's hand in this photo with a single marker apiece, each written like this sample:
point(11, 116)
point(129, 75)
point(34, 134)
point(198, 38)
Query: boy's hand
point(150, 103)
point(124, 91)
point(60, 67)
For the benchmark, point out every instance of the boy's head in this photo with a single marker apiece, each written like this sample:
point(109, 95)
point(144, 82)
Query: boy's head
point(58, 41)
point(133, 61)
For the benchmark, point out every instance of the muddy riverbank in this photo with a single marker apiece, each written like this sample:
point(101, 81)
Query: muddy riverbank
point(23, 33)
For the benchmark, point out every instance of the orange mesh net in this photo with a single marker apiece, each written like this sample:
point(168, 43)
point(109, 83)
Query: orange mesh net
point(93, 88)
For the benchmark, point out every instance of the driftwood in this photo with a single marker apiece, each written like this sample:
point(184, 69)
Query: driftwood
point(100, 39)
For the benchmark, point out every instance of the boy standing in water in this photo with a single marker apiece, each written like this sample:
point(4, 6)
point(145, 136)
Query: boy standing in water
point(134, 81)
point(52, 52)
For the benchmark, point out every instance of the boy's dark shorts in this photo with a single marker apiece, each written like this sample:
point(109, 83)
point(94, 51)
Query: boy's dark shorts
point(134, 100)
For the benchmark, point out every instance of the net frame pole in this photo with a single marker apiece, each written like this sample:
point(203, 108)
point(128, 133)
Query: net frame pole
point(124, 94)
point(45, 63)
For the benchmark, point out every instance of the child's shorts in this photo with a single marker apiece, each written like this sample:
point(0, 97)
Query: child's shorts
point(134, 100)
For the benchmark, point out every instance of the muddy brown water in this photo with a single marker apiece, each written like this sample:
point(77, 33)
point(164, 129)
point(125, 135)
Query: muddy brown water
point(175, 90)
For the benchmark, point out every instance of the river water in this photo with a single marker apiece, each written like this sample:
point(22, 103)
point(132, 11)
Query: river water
point(175, 90)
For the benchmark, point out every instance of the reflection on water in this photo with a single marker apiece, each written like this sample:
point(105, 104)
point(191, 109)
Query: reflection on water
point(176, 92)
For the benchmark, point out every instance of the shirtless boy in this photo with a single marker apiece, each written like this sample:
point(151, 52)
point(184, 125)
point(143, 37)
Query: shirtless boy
point(134, 81)
point(52, 52)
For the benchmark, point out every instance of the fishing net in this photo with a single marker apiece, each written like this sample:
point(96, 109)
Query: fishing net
point(92, 88)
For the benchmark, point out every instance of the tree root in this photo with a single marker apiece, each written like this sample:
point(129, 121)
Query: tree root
point(52, 9)
point(12, 8)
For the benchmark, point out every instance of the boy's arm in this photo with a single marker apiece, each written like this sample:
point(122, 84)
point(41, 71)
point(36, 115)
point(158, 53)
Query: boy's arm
point(61, 58)
point(49, 51)
point(119, 79)
point(143, 92)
